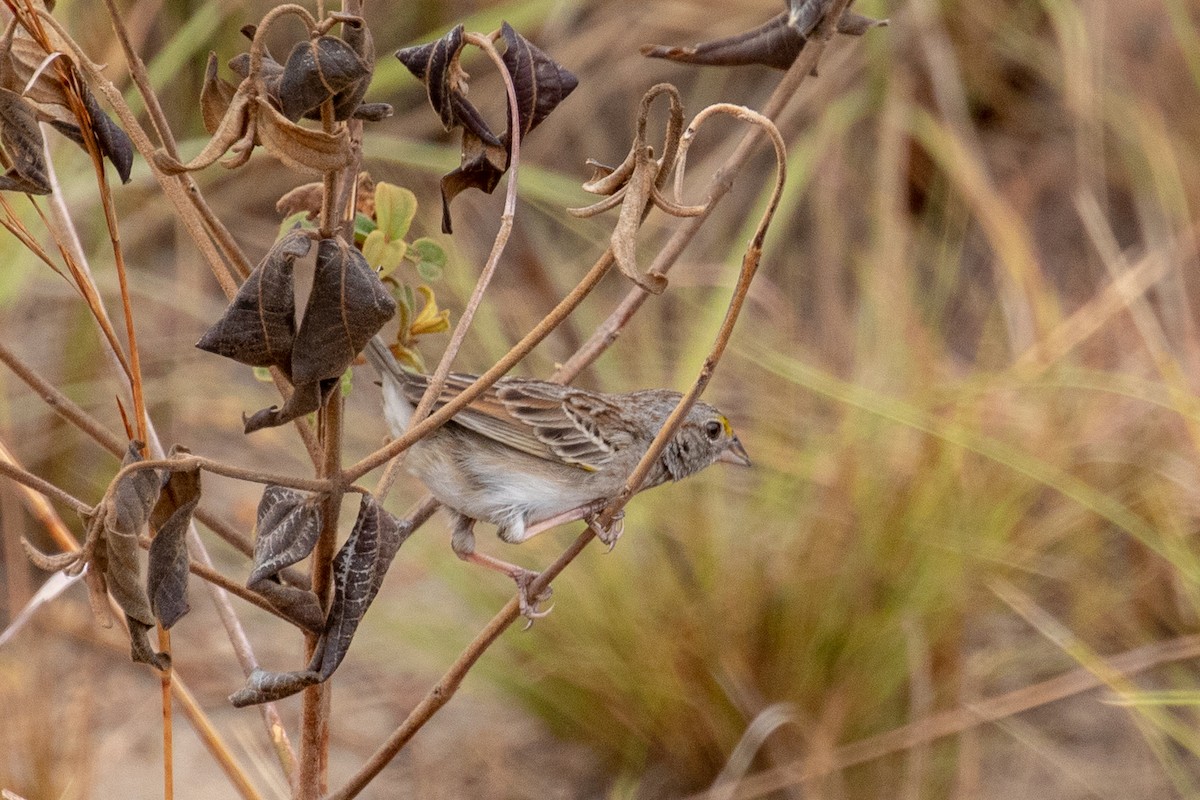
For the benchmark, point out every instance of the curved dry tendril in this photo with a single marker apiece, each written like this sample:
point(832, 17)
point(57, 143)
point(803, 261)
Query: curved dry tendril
point(754, 118)
point(749, 267)
point(438, 380)
point(258, 45)
point(192, 462)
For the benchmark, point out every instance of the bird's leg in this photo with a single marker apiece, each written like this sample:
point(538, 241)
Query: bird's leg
point(462, 540)
point(588, 512)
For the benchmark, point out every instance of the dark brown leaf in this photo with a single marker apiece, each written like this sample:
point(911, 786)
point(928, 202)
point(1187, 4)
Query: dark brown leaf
point(436, 65)
point(22, 60)
point(167, 575)
point(349, 101)
point(140, 650)
point(540, 82)
point(266, 687)
point(347, 306)
point(358, 571)
point(215, 96)
point(126, 512)
point(289, 523)
point(259, 326)
point(287, 528)
point(482, 167)
point(306, 398)
point(298, 605)
point(776, 43)
point(23, 143)
point(773, 44)
point(316, 71)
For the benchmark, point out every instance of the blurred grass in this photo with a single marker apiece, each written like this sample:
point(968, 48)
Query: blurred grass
point(927, 421)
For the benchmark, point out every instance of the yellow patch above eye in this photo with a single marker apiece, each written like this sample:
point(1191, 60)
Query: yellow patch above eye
point(725, 424)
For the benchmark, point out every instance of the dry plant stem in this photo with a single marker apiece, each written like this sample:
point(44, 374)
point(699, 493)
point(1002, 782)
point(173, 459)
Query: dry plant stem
point(63, 538)
point(85, 422)
point(43, 487)
point(438, 380)
point(168, 738)
point(137, 71)
point(958, 720)
point(186, 203)
point(608, 331)
point(192, 462)
point(212, 741)
point(171, 186)
point(445, 688)
point(172, 190)
point(485, 381)
point(314, 715)
point(71, 249)
point(40, 507)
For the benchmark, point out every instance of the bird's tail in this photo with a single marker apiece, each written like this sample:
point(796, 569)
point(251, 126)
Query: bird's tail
point(397, 409)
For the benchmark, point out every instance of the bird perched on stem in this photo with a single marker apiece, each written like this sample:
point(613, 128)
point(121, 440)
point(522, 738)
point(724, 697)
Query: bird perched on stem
point(527, 455)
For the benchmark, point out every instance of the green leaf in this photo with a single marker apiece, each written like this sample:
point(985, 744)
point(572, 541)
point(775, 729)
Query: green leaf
point(395, 208)
point(381, 254)
point(363, 225)
point(298, 220)
point(347, 382)
point(262, 374)
point(429, 271)
point(430, 257)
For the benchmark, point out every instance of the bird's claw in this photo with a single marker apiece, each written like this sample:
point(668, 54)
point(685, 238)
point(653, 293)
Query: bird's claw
point(529, 605)
point(612, 533)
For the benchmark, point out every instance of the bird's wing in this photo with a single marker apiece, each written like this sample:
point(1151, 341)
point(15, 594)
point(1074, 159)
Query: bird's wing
point(543, 419)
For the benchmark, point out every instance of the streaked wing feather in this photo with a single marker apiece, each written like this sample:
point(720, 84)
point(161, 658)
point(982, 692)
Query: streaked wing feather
point(487, 415)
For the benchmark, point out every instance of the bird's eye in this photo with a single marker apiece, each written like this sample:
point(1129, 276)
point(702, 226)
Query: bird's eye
point(713, 429)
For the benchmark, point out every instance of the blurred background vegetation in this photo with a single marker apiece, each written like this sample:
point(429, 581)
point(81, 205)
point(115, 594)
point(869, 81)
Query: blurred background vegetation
point(967, 377)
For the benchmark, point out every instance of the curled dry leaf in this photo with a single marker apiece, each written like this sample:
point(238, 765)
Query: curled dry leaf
point(358, 571)
point(25, 72)
point(167, 573)
point(266, 687)
point(125, 513)
point(540, 84)
point(306, 398)
point(346, 307)
point(776, 43)
point(23, 143)
point(110, 554)
point(289, 523)
point(636, 185)
point(259, 326)
point(266, 106)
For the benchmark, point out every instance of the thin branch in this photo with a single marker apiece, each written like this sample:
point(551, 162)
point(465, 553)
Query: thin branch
point(39, 506)
point(445, 688)
point(608, 331)
point(10, 469)
point(485, 381)
point(314, 715)
point(137, 71)
point(438, 380)
point(186, 463)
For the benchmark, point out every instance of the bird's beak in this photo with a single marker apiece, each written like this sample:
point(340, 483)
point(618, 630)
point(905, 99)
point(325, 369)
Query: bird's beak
point(735, 454)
